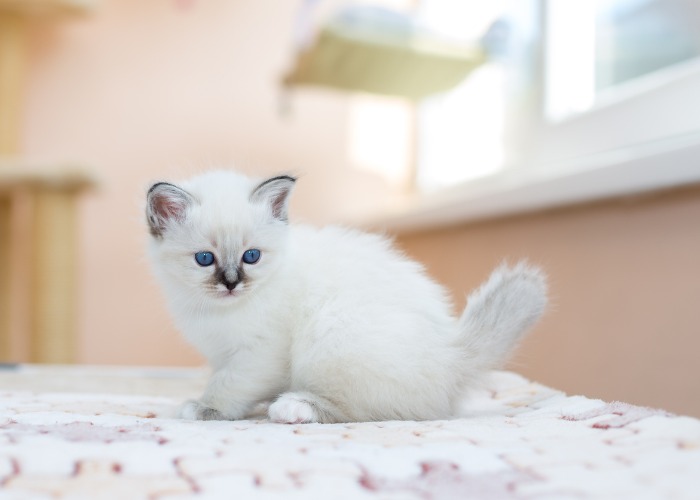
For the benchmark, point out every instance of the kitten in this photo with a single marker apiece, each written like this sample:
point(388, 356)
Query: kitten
point(329, 325)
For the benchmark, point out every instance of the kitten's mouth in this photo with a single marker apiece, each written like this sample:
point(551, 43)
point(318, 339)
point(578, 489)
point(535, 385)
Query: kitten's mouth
point(227, 294)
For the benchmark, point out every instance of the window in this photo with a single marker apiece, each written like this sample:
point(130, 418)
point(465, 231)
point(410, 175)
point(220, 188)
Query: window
point(461, 132)
point(594, 47)
point(579, 100)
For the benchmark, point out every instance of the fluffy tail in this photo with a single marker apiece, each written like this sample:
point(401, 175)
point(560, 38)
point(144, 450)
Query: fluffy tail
point(499, 313)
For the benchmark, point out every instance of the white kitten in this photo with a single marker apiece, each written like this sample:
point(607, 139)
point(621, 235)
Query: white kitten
point(331, 325)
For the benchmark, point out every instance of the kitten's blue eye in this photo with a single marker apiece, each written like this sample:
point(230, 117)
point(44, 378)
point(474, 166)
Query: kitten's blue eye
point(251, 256)
point(204, 258)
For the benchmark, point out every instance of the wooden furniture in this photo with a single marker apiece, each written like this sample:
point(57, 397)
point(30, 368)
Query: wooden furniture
point(51, 219)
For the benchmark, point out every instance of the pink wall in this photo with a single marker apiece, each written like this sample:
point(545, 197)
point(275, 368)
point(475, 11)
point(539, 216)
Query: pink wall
point(141, 91)
point(624, 321)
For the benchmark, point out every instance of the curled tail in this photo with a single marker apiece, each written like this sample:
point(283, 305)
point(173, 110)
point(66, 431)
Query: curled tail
point(499, 313)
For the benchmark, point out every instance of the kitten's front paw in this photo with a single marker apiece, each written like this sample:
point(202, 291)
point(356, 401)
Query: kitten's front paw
point(194, 410)
point(289, 409)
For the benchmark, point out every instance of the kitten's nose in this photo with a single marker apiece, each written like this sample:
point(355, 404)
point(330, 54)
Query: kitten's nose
point(230, 285)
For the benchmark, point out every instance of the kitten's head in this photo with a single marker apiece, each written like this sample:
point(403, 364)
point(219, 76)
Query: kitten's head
point(219, 236)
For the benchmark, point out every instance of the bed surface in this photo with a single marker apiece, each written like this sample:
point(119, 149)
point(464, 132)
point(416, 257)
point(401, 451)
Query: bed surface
point(89, 432)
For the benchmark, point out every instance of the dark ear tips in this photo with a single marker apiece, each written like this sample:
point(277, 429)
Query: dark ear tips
point(166, 203)
point(275, 192)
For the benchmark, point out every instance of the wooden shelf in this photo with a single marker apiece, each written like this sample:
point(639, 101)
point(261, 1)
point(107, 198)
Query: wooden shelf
point(17, 174)
point(46, 7)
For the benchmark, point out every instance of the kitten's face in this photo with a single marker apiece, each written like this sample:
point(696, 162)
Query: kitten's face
point(219, 237)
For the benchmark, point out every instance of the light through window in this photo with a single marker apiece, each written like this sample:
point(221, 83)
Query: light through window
point(553, 64)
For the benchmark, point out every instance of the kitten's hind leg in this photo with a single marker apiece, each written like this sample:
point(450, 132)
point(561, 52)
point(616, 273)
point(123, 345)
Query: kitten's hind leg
point(304, 408)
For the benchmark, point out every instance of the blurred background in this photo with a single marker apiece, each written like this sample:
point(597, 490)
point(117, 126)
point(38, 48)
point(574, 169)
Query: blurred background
point(567, 133)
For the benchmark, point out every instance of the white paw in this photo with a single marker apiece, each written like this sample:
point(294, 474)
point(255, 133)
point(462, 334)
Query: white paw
point(289, 409)
point(194, 410)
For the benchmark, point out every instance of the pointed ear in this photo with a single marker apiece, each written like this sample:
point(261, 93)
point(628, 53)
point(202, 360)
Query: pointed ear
point(275, 193)
point(166, 203)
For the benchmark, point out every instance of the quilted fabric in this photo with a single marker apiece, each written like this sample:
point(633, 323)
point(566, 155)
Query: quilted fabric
point(99, 433)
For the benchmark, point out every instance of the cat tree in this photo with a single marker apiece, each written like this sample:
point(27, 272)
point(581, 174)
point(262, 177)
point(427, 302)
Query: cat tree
point(49, 227)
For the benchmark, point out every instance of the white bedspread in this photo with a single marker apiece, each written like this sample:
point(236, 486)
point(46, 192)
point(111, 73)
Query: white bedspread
point(111, 433)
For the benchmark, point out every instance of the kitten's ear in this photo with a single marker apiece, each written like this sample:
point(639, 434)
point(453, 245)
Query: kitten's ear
point(166, 203)
point(275, 193)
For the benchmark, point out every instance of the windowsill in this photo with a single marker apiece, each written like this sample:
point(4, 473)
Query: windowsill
point(634, 170)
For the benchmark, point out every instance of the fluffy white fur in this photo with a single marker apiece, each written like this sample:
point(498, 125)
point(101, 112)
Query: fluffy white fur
point(331, 324)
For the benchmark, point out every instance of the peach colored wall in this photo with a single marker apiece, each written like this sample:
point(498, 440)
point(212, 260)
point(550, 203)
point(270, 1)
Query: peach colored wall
point(624, 323)
point(141, 91)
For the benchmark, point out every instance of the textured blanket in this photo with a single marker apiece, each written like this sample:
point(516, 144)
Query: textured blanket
point(112, 433)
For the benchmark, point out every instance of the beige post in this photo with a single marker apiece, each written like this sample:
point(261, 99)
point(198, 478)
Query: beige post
point(12, 56)
point(53, 300)
point(11, 70)
point(5, 287)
